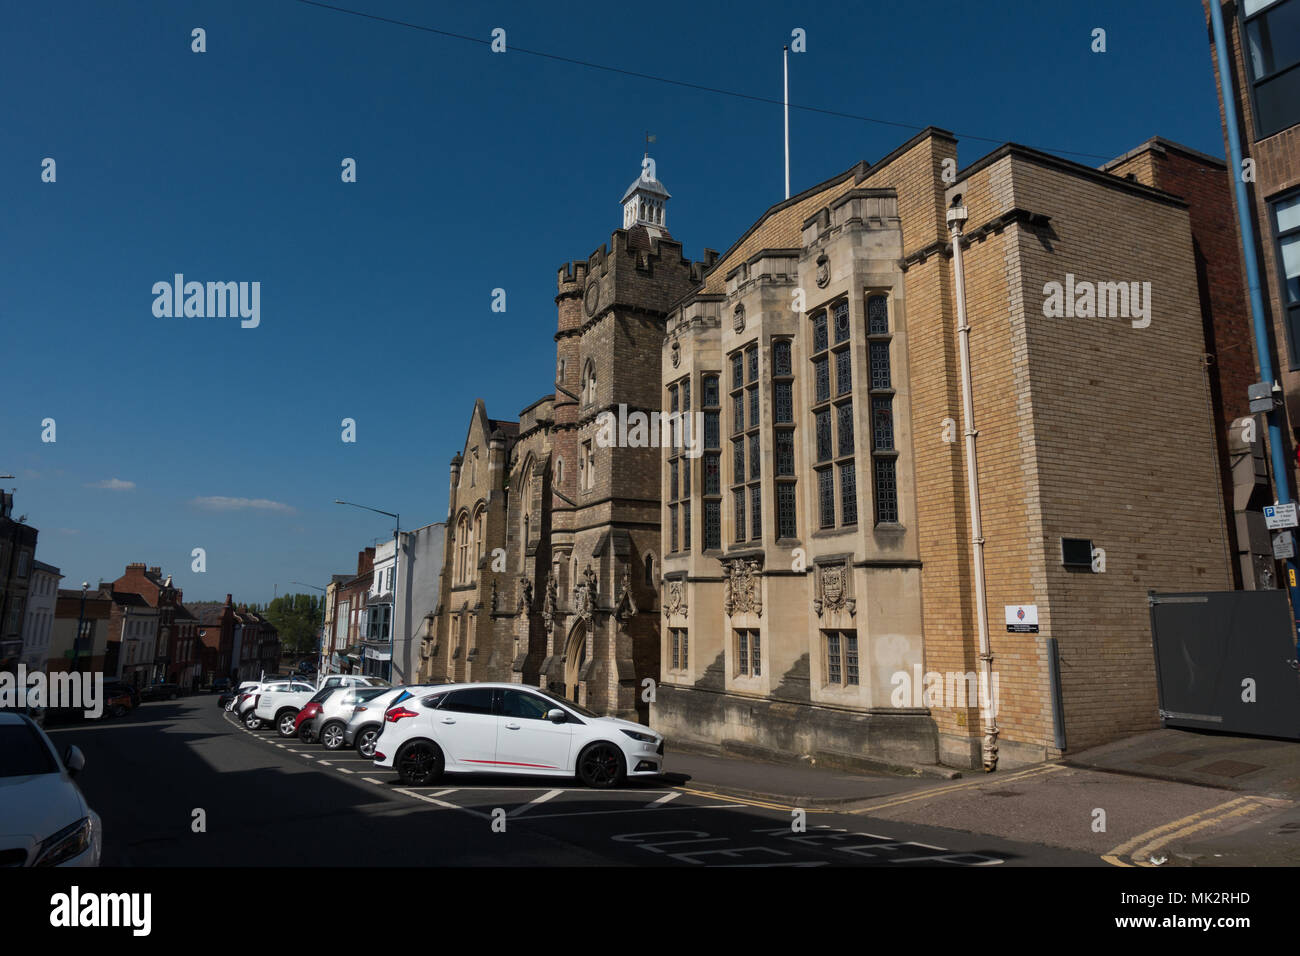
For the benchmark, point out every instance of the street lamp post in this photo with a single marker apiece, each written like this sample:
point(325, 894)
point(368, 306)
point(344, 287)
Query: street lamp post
point(397, 547)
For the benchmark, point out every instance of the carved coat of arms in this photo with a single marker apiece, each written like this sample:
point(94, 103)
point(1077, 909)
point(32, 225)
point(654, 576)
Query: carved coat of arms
point(675, 599)
point(742, 588)
point(834, 587)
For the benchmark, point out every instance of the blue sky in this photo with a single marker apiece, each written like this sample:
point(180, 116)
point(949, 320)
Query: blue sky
point(474, 171)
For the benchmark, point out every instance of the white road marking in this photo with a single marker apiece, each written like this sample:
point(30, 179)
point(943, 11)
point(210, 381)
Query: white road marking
point(532, 803)
point(326, 763)
point(378, 783)
point(342, 770)
point(602, 813)
point(671, 795)
point(442, 803)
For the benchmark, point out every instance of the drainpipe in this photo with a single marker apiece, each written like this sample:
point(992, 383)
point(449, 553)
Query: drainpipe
point(956, 219)
point(1263, 352)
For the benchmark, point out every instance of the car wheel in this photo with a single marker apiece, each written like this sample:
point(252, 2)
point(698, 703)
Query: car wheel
point(331, 735)
point(284, 723)
point(366, 742)
point(251, 720)
point(602, 766)
point(119, 711)
point(419, 763)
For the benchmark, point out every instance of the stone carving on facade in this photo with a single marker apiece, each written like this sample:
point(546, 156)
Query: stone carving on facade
point(675, 599)
point(833, 591)
point(738, 319)
point(676, 352)
point(626, 603)
point(525, 595)
point(552, 599)
point(584, 595)
point(742, 592)
point(823, 272)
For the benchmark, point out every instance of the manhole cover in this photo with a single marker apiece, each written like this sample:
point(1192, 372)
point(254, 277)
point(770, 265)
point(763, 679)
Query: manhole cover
point(1169, 758)
point(1229, 768)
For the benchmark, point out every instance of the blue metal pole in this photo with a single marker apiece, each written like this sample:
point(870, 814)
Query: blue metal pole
point(1263, 352)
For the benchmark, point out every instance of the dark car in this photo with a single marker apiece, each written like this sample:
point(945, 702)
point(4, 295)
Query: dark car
point(161, 691)
point(117, 688)
point(221, 685)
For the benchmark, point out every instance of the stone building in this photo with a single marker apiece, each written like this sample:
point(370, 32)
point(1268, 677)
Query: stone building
point(791, 559)
point(819, 565)
point(576, 520)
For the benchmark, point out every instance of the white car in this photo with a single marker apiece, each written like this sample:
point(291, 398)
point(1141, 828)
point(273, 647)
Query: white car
point(509, 728)
point(353, 680)
point(44, 817)
point(278, 703)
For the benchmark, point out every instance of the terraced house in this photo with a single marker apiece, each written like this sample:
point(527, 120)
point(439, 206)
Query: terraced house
point(868, 520)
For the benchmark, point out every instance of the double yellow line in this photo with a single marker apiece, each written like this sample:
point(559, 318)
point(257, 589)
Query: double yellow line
point(1041, 770)
point(1140, 848)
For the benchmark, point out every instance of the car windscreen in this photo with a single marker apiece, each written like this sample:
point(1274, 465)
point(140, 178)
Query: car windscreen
point(576, 708)
point(320, 697)
point(370, 693)
point(23, 752)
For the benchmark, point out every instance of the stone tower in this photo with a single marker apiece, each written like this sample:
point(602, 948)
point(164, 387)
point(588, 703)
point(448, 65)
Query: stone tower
point(604, 504)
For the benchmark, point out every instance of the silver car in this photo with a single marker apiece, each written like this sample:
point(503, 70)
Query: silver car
point(336, 708)
point(368, 718)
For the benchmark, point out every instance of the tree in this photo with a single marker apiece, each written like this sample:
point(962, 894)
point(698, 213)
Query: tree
point(298, 619)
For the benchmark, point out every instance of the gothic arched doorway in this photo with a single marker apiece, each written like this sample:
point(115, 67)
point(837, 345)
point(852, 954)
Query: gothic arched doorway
point(575, 656)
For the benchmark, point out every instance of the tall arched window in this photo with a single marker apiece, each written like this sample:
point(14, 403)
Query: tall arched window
point(480, 538)
point(589, 383)
point(649, 570)
point(462, 551)
point(526, 502)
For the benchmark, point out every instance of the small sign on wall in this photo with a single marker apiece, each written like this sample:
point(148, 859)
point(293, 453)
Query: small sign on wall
point(1022, 618)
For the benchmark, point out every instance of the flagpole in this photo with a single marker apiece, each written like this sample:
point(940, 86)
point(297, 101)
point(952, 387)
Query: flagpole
point(785, 69)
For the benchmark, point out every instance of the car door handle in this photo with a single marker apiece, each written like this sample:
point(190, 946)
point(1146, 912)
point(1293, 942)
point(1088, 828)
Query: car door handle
point(449, 720)
point(512, 726)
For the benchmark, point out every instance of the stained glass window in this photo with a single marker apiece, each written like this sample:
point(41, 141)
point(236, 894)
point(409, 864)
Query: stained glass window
point(823, 430)
point(877, 315)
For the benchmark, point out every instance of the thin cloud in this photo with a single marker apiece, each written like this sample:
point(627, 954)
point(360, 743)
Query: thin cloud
point(221, 503)
point(113, 484)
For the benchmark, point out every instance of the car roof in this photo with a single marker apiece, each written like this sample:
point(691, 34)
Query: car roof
point(8, 717)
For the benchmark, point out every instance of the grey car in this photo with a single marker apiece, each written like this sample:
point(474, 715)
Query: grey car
point(336, 708)
point(368, 718)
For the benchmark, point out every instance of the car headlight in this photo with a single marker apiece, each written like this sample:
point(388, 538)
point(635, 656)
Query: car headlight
point(645, 738)
point(67, 843)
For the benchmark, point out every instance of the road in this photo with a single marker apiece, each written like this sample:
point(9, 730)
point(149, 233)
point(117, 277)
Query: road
point(155, 775)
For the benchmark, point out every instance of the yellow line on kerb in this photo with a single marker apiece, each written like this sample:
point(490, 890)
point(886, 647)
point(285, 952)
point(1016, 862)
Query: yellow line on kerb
point(967, 785)
point(730, 799)
point(1153, 839)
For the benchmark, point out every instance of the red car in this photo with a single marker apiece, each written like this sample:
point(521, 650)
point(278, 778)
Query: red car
point(302, 723)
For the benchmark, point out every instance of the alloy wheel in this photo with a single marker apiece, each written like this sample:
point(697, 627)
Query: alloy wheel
point(600, 766)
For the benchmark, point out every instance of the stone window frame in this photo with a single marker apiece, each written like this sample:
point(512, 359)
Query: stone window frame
point(840, 638)
point(838, 407)
point(884, 461)
point(780, 430)
point(747, 646)
point(711, 501)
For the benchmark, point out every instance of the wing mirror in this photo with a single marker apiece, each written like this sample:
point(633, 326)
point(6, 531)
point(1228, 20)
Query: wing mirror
point(557, 716)
point(74, 760)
